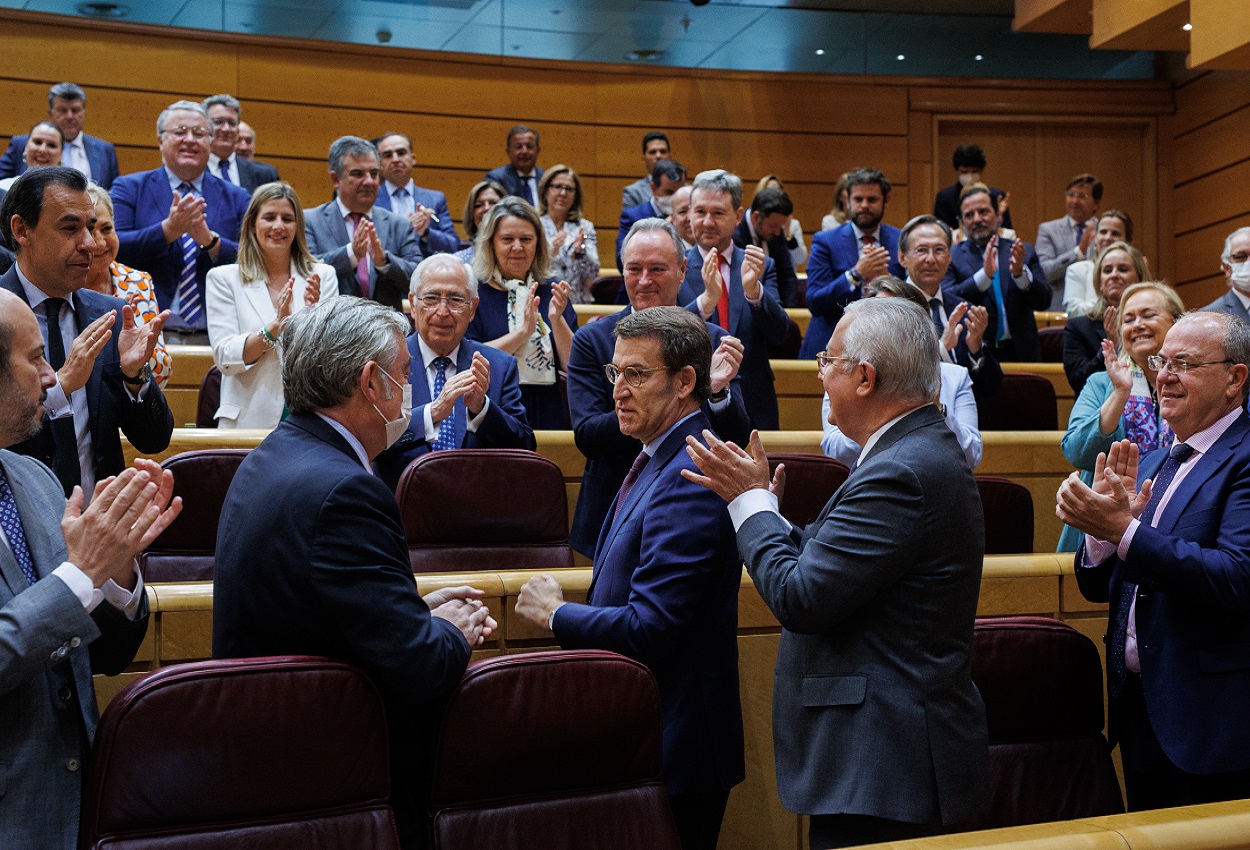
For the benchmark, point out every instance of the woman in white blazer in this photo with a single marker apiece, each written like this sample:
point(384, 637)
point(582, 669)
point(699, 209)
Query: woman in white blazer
point(250, 301)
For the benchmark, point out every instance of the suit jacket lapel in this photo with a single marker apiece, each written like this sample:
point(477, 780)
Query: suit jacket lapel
point(334, 223)
point(1203, 469)
point(737, 295)
point(43, 549)
point(84, 315)
point(417, 375)
point(257, 294)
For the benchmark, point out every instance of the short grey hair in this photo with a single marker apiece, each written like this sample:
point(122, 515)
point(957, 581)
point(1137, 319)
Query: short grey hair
point(441, 261)
point(1235, 339)
point(719, 180)
point(66, 91)
point(904, 235)
point(683, 337)
point(227, 100)
point(656, 225)
point(180, 106)
point(345, 146)
point(1228, 243)
point(897, 338)
point(325, 348)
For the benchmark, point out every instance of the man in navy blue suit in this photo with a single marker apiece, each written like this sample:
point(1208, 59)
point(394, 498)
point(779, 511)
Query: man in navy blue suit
point(845, 258)
point(667, 573)
point(464, 394)
point(311, 554)
point(103, 381)
point(521, 175)
point(765, 225)
point(655, 265)
point(224, 113)
point(67, 107)
point(735, 288)
point(1173, 561)
point(667, 176)
point(425, 208)
point(178, 221)
point(1002, 275)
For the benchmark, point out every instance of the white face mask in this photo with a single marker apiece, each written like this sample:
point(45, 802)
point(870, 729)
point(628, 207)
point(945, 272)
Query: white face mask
point(1240, 276)
point(967, 178)
point(665, 205)
point(395, 428)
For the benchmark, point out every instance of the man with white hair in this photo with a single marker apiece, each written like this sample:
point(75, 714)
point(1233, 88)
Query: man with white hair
point(1235, 263)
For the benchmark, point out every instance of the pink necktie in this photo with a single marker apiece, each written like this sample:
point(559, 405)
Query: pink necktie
point(362, 265)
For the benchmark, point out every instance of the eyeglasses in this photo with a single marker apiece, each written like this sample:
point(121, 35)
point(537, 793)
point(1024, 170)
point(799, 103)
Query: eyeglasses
point(225, 122)
point(455, 303)
point(1177, 366)
point(634, 375)
point(824, 358)
point(567, 190)
point(196, 133)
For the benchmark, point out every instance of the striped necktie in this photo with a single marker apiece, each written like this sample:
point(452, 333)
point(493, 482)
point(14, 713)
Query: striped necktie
point(190, 305)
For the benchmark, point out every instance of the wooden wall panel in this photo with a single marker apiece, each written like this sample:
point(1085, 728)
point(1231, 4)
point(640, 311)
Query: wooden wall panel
point(1198, 251)
point(1214, 146)
point(1210, 96)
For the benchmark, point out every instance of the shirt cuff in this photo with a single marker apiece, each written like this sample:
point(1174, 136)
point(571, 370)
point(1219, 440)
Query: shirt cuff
point(981, 279)
point(126, 601)
point(473, 424)
point(1127, 540)
point(750, 503)
point(1097, 551)
point(718, 406)
point(1023, 280)
point(57, 403)
point(551, 618)
point(431, 430)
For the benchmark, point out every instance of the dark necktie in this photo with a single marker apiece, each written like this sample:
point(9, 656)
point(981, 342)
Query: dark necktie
point(11, 522)
point(190, 307)
point(1180, 453)
point(446, 428)
point(64, 436)
point(935, 310)
point(630, 480)
point(225, 171)
point(528, 193)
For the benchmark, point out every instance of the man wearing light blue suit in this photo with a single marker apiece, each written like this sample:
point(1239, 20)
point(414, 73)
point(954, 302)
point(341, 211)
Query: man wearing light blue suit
point(739, 293)
point(845, 258)
point(666, 575)
point(178, 221)
point(472, 398)
point(426, 209)
point(67, 107)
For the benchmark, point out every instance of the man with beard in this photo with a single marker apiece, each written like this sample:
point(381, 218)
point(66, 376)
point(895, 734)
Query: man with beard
point(847, 257)
point(1001, 275)
point(1235, 263)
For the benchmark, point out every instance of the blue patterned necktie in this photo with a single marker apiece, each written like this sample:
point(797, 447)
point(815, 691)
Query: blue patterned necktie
point(190, 308)
point(225, 171)
point(446, 428)
point(12, 525)
point(1116, 670)
point(64, 435)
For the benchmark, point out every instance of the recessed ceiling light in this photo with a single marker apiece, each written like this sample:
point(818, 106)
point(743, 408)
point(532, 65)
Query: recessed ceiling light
point(102, 9)
point(1187, 27)
point(978, 57)
point(644, 55)
point(900, 57)
point(820, 52)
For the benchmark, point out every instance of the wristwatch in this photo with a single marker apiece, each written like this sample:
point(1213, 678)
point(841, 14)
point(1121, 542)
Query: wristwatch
point(139, 380)
point(213, 244)
point(855, 275)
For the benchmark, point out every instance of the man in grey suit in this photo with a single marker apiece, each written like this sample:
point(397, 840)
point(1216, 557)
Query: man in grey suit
point(373, 250)
point(879, 732)
point(654, 148)
point(1235, 263)
point(224, 113)
point(71, 599)
point(1064, 241)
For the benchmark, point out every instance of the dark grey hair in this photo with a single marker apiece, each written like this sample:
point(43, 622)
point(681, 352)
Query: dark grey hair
point(66, 91)
point(326, 347)
point(721, 181)
point(897, 338)
point(227, 100)
point(345, 146)
point(904, 235)
point(683, 338)
point(656, 225)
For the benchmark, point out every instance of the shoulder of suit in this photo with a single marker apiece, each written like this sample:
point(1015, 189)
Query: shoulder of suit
point(32, 472)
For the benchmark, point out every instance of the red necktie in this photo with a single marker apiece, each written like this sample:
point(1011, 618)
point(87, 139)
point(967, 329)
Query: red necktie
point(722, 306)
point(362, 265)
point(869, 240)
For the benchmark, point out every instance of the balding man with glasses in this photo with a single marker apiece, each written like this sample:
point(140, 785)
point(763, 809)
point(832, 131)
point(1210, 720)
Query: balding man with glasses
point(465, 395)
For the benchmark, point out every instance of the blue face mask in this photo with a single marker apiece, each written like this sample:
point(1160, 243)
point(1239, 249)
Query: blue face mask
point(395, 428)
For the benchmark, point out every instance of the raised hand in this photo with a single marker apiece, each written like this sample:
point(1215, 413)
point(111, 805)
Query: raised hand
point(953, 330)
point(560, 292)
point(1117, 370)
point(976, 321)
point(475, 395)
point(989, 260)
point(80, 359)
point(728, 471)
point(1017, 258)
point(135, 344)
point(753, 263)
point(726, 360)
point(312, 290)
point(713, 284)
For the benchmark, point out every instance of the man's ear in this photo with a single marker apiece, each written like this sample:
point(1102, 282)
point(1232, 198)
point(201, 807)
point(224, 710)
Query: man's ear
point(866, 377)
point(685, 382)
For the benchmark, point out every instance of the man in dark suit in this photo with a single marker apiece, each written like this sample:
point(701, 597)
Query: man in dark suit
point(924, 251)
point(521, 175)
point(224, 112)
point(666, 577)
point(67, 107)
point(667, 177)
point(655, 147)
point(178, 221)
point(969, 162)
point(374, 251)
point(1173, 561)
point(738, 291)
point(880, 734)
point(1001, 275)
point(424, 208)
point(103, 381)
point(465, 395)
point(764, 226)
point(655, 266)
point(69, 592)
point(311, 555)
point(1235, 263)
point(847, 257)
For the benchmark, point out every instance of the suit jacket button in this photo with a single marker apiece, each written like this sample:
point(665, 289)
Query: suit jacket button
point(64, 694)
point(61, 652)
point(72, 765)
point(75, 642)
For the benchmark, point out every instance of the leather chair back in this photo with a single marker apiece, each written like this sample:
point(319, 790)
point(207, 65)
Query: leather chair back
point(1025, 402)
point(605, 288)
point(810, 482)
point(484, 509)
point(209, 399)
point(552, 751)
point(263, 753)
point(185, 551)
point(1041, 681)
point(1008, 507)
point(1051, 340)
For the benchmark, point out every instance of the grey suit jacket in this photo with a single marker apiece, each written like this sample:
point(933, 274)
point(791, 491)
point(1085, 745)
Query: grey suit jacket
point(638, 192)
point(46, 695)
point(328, 240)
point(874, 709)
point(1230, 304)
point(255, 174)
point(1055, 243)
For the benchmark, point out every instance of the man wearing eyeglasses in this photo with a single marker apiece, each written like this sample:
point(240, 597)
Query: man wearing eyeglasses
point(178, 221)
point(665, 587)
point(464, 395)
point(1173, 561)
point(1235, 263)
point(224, 111)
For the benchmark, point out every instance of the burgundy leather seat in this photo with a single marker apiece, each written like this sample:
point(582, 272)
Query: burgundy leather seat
point(185, 551)
point(263, 753)
point(1025, 402)
point(1051, 340)
point(1041, 681)
point(1008, 508)
point(810, 481)
point(209, 399)
point(552, 751)
point(485, 509)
